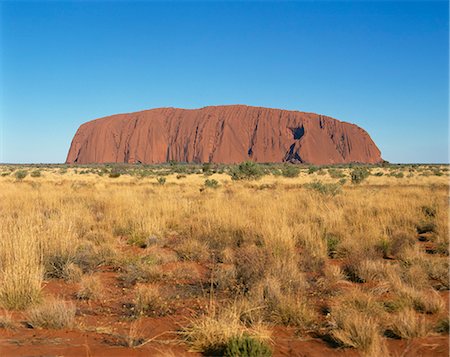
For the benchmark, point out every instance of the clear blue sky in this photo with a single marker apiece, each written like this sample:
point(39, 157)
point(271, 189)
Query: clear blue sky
point(382, 65)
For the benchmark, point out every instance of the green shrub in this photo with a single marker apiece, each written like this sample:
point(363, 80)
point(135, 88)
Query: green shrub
point(336, 173)
point(331, 189)
point(359, 174)
point(248, 170)
point(114, 174)
point(290, 171)
point(312, 169)
point(206, 168)
point(246, 346)
point(20, 174)
point(35, 173)
point(211, 183)
point(161, 180)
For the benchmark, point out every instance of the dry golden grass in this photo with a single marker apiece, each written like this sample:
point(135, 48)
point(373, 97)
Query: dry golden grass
point(52, 313)
point(279, 246)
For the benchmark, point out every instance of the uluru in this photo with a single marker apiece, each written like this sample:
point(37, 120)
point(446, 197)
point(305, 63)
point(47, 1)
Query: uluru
point(221, 134)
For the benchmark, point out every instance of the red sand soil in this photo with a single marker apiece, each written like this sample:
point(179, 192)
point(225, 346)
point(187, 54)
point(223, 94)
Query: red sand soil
point(103, 327)
point(221, 134)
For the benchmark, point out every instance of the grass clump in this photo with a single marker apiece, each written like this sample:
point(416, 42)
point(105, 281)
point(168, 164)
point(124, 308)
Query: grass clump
point(246, 346)
point(35, 173)
point(212, 332)
point(330, 189)
point(52, 314)
point(359, 331)
point(90, 288)
point(407, 324)
point(148, 301)
point(6, 320)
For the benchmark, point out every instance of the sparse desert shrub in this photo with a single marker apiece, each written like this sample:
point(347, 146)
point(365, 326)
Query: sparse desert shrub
point(312, 169)
point(359, 174)
point(247, 170)
point(331, 189)
point(211, 183)
point(206, 168)
point(91, 288)
point(290, 171)
point(161, 180)
point(53, 314)
point(246, 346)
point(35, 173)
point(336, 173)
point(20, 175)
point(115, 173)
point(407, 324)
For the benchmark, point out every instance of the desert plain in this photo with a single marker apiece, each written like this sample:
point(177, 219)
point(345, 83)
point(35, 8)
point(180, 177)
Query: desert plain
point(181, 260)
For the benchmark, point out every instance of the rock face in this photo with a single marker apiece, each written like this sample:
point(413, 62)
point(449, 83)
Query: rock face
point(221, 134)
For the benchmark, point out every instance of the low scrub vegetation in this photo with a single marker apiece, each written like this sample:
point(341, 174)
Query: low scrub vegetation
point(237, 255)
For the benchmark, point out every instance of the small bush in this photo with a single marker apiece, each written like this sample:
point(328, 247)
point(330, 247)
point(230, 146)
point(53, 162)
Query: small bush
point(248, 170)
point(35, 173)
point(290, 171)
point(359, 174)
point(211, 183)
point(312, 169)
point(336, 173)
point(206, 168)
point(161, 180)
point(54, 314)
point(20, 174)
point(246, 346)
point(331, 189)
